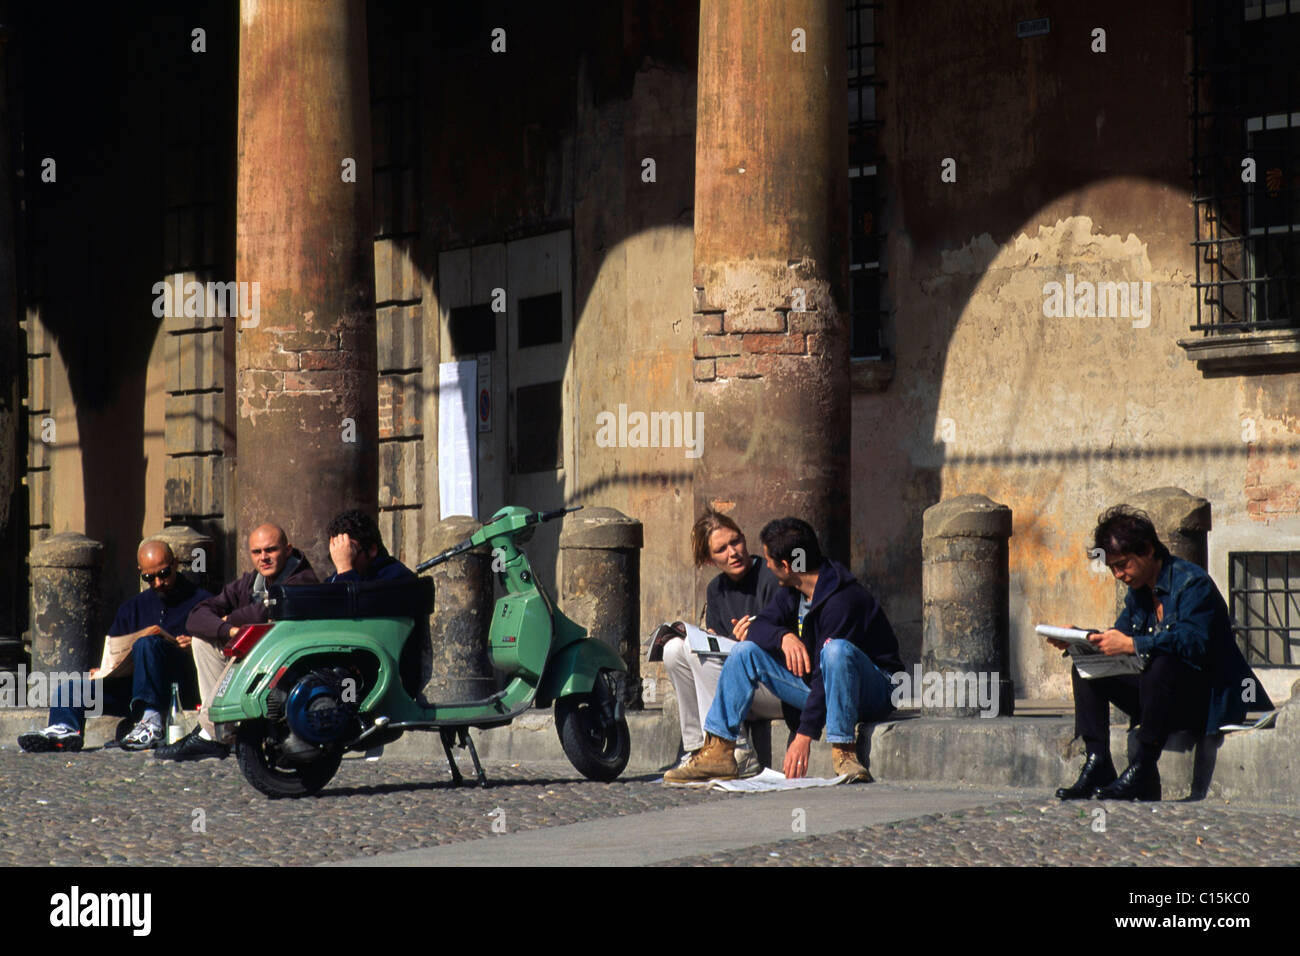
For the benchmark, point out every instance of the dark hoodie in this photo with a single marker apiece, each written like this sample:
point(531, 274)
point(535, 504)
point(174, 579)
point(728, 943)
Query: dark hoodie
point(840, 608)
point(240, 602)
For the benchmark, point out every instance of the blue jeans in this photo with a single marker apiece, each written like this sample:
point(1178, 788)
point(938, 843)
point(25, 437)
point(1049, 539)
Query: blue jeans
point(856, 689)
point(157, 664)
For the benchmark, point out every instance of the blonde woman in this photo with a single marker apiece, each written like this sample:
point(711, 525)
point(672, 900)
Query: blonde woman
point(742, 588)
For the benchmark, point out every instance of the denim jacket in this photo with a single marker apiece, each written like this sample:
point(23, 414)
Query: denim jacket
point(1197, 629)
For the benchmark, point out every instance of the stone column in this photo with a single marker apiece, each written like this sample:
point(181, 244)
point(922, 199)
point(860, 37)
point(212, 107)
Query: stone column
point(13, 524)
point(194, 551)
point(66, 622)
point(771, 341)
point(965, 585)
point(460, 667)
point(1182, 522)
point(307, 419)
point(601, 583)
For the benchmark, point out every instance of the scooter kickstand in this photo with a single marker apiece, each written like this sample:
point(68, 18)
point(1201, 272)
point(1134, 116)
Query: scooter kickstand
point(465, 741)
point(448, 737)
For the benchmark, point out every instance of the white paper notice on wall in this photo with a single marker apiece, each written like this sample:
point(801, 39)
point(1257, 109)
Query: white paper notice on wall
point(457, 439)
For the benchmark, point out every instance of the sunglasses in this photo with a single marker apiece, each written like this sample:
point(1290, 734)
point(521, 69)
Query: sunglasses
point(162, 575)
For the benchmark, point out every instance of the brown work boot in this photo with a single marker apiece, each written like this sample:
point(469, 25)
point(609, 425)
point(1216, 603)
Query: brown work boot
point(844, 759)
point(716, 760)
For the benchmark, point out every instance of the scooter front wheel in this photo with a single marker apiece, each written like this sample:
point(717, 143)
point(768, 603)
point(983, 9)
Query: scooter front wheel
point(255, 749)
point(596, 743)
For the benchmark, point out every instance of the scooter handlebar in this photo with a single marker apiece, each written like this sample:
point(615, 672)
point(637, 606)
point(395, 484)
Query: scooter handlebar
point(535, 518)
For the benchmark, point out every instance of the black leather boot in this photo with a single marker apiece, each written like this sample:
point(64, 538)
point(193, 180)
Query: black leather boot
point(1097, 772)
point(1139, 781)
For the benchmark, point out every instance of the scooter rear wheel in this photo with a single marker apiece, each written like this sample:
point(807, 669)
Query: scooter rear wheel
point(597, 745)
point(253, 747)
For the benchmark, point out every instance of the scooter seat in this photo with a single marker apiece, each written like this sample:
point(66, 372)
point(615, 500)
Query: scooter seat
point(350, 600)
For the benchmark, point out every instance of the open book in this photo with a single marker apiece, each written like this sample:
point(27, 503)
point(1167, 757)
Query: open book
point(1088, 660)
point(701, 642)
point(116, 661)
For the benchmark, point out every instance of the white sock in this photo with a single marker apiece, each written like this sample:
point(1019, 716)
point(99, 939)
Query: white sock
point(203, 733)
point(151, 716)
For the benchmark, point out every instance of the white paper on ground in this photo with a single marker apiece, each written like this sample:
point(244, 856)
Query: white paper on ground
point(763, 782)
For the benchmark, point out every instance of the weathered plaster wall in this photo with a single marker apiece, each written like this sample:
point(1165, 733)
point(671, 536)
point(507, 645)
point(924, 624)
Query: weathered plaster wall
point(1060, 169)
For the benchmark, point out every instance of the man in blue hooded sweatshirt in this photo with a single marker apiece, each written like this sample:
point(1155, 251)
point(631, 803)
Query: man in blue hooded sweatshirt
point(823, 645)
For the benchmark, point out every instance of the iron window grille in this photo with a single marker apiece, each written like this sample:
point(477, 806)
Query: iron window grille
point(866, 244)
point(1264, 602)
point(1246, 106)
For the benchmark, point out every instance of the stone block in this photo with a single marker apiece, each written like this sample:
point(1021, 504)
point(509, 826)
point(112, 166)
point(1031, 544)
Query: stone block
point(396, 278)
point(195, 361)
point(399, 406)
point(400, 338)
point(195, 423)
point(401, 473)
point(711, 346)
point(195, 486)
point(708, 323)
point(755, 320)
point(782, 344)
point(705, 370)
point(39, 398)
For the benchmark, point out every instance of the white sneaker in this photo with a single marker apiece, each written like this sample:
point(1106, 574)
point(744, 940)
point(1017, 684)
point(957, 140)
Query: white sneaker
point(53, 737)
point(747, 763)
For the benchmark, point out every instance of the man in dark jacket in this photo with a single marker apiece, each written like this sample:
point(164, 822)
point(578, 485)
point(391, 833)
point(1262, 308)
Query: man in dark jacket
point(823, 645)
point(358, 551)
point(1193, 675)
point(156, 662)
point(216, 621)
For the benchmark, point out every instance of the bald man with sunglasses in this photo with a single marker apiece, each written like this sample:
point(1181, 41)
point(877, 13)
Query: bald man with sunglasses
point(156, 663)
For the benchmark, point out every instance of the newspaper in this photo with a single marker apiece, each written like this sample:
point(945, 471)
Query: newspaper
point(701, 642)
point(1090, 662)
point(764, 782)
point(117, 661)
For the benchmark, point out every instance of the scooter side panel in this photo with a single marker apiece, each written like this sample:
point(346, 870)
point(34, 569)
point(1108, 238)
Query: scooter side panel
point(241, 695)
point(573, 668)
point(520, 636)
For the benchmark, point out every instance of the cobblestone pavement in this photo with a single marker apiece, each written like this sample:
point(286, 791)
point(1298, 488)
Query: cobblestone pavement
point(101, 807)
point(1019, 833)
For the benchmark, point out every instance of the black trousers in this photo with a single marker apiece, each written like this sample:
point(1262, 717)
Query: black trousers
point(1169, 695)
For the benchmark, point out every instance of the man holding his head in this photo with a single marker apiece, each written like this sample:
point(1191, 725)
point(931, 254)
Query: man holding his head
point(216, 621)
point(156, 663)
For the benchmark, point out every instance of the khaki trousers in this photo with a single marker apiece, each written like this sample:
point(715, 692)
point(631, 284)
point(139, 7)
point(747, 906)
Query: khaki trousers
point(211, 665)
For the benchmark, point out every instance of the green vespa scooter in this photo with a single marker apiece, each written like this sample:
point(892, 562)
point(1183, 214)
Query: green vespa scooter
point(326, 676)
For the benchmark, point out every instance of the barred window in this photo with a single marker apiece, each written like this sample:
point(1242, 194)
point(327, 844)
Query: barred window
point(1264, 602)
point(866, 244)
point(1246, 165)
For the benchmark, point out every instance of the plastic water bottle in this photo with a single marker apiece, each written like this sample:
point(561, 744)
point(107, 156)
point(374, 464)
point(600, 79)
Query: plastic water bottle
point(175, 717)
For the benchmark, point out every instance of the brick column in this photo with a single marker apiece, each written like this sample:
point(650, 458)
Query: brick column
point(771, 341)
point(307, 424)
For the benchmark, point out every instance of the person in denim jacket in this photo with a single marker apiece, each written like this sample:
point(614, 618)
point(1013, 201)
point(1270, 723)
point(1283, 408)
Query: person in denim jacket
point(1193, 675)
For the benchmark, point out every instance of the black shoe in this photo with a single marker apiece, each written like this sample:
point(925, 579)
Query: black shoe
point(1140, 781)
point(192, 747)
point(1097, 772)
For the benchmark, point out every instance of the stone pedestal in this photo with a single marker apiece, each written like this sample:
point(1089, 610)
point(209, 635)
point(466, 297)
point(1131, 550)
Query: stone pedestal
point(65, 602)
point(965, 590)
point(457, 659)
point(601, 582)
point(191, 548)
